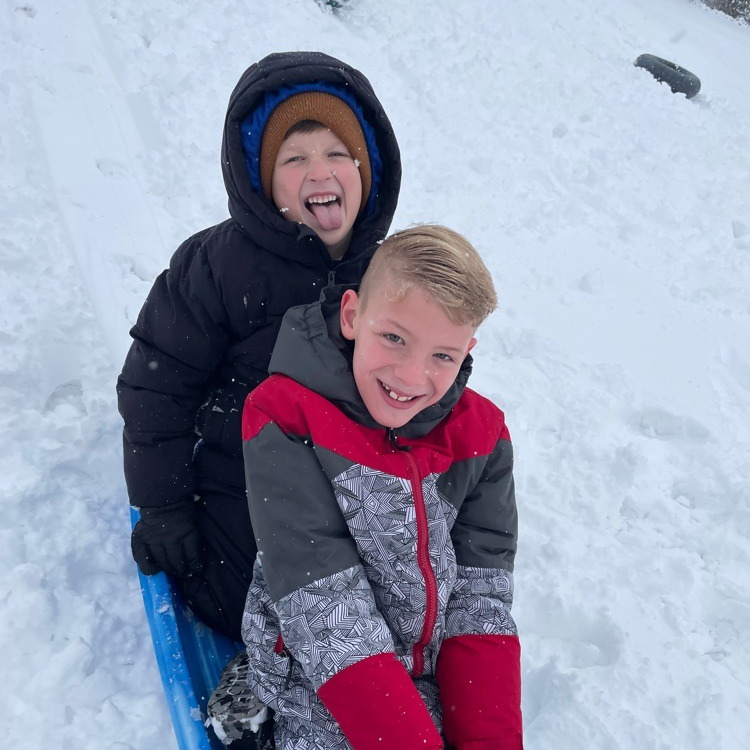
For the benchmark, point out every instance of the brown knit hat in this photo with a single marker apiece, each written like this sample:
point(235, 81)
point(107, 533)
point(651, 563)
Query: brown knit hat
point(326, 109)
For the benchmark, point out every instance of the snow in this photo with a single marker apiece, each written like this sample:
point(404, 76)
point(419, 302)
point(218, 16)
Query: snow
point(615, 217)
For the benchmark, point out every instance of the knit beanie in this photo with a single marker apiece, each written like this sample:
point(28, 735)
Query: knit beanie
point(326, 109)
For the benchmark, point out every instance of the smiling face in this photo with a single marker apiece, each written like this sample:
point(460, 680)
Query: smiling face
point(407, 353)
point(316, 182)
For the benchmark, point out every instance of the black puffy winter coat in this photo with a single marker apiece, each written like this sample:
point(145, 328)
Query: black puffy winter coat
point(207, 329)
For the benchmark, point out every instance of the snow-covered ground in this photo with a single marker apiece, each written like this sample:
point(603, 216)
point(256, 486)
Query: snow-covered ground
point(616, 219)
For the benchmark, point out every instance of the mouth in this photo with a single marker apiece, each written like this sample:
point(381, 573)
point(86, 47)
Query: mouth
point(321, 200)
point(394, 396)
point(327, 210)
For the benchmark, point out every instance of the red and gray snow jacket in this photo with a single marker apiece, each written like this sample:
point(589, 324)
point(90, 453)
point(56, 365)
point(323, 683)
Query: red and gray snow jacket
point(379, 613)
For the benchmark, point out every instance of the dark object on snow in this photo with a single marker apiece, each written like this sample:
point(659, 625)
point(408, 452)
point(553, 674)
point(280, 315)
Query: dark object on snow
point(678, 79)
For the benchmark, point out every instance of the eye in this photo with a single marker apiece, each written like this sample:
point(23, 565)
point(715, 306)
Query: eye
point(444, 357)
point(344, 154)
point(393, 338)
point(292, 159)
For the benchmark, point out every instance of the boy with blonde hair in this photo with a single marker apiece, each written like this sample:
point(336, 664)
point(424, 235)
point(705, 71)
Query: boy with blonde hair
point(381, 495)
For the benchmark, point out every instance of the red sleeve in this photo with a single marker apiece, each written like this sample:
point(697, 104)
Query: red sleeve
point(377, 707)
point(480, 690)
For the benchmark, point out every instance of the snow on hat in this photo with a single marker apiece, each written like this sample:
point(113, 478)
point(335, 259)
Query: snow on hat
point(326, 109)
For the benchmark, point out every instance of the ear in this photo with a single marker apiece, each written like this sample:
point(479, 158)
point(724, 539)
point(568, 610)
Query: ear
point(348, 314)
point(472, 344)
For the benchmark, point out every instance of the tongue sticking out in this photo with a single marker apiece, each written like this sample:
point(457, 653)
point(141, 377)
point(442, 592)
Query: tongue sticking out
point(329, 215)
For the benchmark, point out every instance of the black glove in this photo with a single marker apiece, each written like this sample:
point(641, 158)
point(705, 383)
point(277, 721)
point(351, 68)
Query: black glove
point(167, 539)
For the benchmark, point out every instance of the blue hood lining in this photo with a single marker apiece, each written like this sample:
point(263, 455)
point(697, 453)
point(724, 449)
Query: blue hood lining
point(254, 124)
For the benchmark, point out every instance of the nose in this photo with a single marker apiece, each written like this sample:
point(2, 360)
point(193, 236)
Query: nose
point(410, 372)
point(319, 168)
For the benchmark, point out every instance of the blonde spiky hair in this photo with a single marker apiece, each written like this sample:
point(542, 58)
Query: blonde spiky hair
point(440, 262)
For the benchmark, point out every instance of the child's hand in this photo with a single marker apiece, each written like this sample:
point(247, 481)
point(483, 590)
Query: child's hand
point(167, 539)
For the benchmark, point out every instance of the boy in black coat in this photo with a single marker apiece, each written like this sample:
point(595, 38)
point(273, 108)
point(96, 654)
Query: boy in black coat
point(300, 128)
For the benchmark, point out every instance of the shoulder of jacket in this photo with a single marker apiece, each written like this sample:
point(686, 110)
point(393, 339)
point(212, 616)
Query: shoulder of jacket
point(221, 252)
point(283, 401)
point(478, 421)
point(219, 236)
point(480, 405)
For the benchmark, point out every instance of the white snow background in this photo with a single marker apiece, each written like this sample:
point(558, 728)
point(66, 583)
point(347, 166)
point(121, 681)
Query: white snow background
point(615, 217)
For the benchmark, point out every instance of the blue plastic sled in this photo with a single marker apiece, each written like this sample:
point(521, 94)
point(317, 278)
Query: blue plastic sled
point(190, 656)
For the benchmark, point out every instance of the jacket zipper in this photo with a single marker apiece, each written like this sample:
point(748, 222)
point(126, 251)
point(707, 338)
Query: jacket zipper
point(425, 567)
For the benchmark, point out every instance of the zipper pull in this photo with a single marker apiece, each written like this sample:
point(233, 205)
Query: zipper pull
point(391, 433)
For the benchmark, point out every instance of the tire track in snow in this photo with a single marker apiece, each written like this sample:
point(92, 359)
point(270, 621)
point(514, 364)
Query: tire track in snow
point(92, 145)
